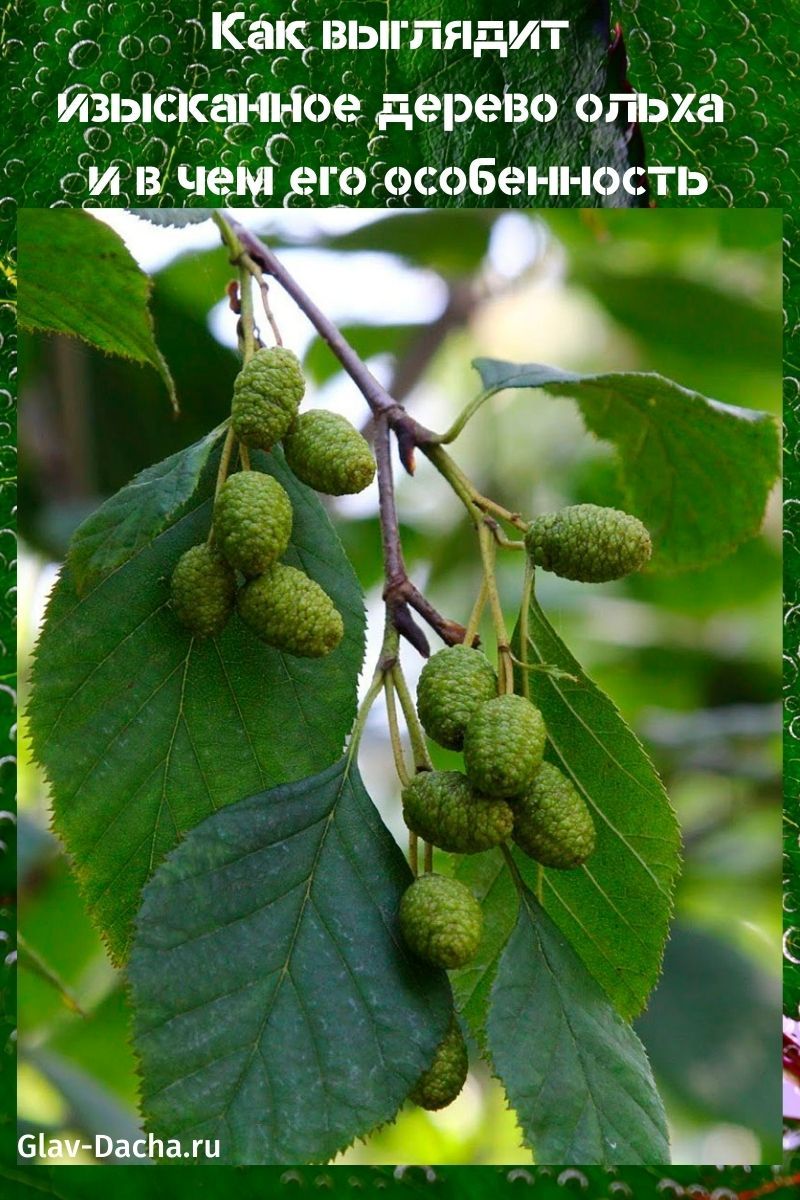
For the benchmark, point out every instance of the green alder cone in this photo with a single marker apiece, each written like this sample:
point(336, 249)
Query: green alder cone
point(288, 610)
point(552, 822)
point(588, 543)
point(266, 396)
point(504, 746)
point(203, 590)
point(441, 921)
point(452, 686)
point(329, 454)
point(443, 808)
point(446, 1075)
point(252, 521)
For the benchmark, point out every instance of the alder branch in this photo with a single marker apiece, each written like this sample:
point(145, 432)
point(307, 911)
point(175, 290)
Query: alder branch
point(400, 594)
point(463, 298)
point(409, 433)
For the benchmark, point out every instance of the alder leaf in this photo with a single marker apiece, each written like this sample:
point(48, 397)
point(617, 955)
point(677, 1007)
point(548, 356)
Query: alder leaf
point(132, 518)
point(488, 879)
point(77, 277)
point(615, 909)
point(276, 1007)
point(574, 1071)
point(697, 472)
point(144, 731)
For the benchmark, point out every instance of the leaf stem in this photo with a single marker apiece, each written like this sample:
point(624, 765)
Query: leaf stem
point(247, 324)
point(374, 690)
point(263, 288)
point(476, 614)
point(232, 243)
point(419, 747)
point(524, 618)
point(222, 473)
point(394, 730)
point(519, 882)
point(467, 492)
point(466, 414)
point(458, 481)
point(500, 537)
point(505, 666)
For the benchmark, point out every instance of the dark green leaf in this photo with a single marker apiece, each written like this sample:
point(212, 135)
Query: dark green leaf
point(697, 472)
point(491, 884)
point(275, 1005)
point(712, 1031)
point(136, 514)
point(144, 731)
point(122, 408)
point(702, 47)
point(451, 1183)
point(615, 909)
point(791, 889)
point(574, 1071)
point(76, 276)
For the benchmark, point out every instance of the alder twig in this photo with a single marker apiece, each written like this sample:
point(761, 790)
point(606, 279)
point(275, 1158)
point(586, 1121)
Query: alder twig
point(409, 433)
point(401, 595)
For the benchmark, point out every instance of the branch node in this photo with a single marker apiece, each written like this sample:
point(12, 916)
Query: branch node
point(407, 627)
point(406, 444)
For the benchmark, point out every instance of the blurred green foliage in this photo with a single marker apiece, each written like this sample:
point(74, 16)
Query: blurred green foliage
point(692, 660)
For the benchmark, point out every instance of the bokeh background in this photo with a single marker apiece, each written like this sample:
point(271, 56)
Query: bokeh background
point(693, 660)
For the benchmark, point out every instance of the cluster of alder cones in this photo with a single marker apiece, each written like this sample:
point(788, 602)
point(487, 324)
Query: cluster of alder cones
point(238, 566)
point(507, 790)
